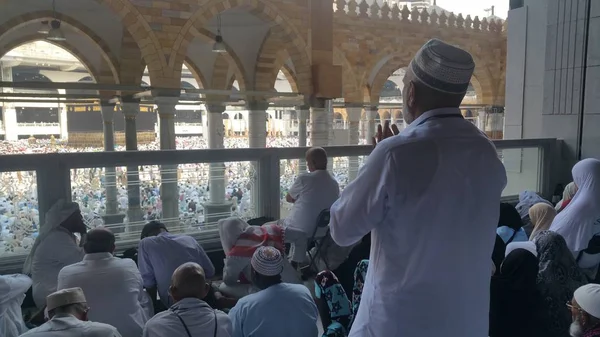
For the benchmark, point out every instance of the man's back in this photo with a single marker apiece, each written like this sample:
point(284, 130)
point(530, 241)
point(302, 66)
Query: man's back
point(159, 256)
point(198, 317)
point(58, 250)
point(435, 189)
point(113, 288)
point(280, 310)
point(67, 326)
point(313, 192)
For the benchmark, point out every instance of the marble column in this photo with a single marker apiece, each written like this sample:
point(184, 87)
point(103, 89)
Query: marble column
point(257, 120)
point(111, 217)
point(130, 109)
point(371, 114)
point(217, 208)
point(62, 120)
point(302, 115)
point(319, 124)
point(169, 193)
point(9, 119)
point(354, 114)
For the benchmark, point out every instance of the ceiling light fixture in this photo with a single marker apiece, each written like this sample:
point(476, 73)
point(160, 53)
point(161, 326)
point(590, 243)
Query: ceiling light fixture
point(55, 33)
point(44, 27)
point(219, 46)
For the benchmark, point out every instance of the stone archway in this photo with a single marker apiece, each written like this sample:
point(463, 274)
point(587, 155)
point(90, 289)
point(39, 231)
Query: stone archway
point(264, 11)
point(104, 74)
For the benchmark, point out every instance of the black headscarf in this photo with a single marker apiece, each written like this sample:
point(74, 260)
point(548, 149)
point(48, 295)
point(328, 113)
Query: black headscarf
point(515, 301)
point(509, 217)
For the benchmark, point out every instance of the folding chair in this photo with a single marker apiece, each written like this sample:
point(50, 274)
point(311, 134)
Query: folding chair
point(316, 241)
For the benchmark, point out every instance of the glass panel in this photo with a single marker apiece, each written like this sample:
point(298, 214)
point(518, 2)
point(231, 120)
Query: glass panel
point(19, 217)
point(522, 170)
point(89, 188)
point(341, 171)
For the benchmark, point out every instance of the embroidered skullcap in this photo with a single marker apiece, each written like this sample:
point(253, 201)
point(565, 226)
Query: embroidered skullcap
point(588, 298)
point(65, 297)
point(443, 67)
point(267, 261)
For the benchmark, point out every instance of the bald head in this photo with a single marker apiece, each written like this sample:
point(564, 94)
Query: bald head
point(188, 281)
point(99, 240)
point(316, 159)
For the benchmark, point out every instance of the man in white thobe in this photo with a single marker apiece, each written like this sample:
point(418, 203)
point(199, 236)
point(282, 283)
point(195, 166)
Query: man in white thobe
point(12, 293)
point(311, 193)
point(430, 196)
point(190, 316)
point(54, 248)
point(68, 312)
point(113, 286)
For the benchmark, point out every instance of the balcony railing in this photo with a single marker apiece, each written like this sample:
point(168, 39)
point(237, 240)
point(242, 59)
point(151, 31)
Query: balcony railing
point(255, 182)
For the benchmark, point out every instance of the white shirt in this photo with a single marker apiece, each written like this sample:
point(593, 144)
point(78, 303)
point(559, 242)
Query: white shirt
point(198, 316)
point(70, 326)
point(313, 192)
point(12, 293)
point(113, 289)
point(430, 196)
point(58, 250)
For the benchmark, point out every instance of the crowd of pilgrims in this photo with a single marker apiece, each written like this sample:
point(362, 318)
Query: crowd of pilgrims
point(543, 275)
point(406, 249)
point(19, 216)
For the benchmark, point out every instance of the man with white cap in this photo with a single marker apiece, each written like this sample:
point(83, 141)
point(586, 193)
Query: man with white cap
point(430, 196)
point(68, 313)
point(278, 309)
point(585, 310)
point(54, 248)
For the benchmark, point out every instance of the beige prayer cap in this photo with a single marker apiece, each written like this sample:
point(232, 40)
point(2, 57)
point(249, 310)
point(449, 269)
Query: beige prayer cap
point(65, 297)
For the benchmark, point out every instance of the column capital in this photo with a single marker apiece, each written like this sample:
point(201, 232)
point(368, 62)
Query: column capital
point(130, 110)
point(108, 111)
point(257, 105)
point(371, 112)
point(354, 113)
point(166, 104)
point(215, 108)
point(354, 105)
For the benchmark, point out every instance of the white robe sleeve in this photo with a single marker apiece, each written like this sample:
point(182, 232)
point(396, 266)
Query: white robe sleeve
point(362, 205)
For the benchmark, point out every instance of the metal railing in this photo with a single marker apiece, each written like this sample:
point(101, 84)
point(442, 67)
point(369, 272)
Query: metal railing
point(262, 174)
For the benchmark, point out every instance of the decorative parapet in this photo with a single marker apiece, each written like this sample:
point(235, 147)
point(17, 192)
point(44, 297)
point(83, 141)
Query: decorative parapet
point(361, 9)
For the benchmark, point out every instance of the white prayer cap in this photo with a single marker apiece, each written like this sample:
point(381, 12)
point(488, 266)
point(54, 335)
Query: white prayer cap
point(267, 261)
point(443, 67)
point(588, 298)
point(65, 297)
point(527, 245)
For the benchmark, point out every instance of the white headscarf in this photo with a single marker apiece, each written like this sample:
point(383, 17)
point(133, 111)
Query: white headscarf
point(58, 213)
point(568, 194)
point(576, 222)
point(230, 230)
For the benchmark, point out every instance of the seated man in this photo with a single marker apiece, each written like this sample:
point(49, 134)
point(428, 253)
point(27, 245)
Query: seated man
point(239, 241)
point(311, 193)
point(113, 286)
point(190, 315)
point(68, 313)
point(278, 309)
point(585, 310)
point(160, 253)
point(54, 248)
point(12, 294)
